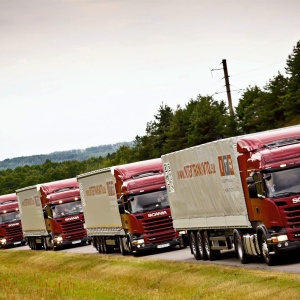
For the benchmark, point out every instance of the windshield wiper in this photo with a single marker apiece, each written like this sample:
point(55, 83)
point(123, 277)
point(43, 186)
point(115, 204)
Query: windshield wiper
point(284, 194)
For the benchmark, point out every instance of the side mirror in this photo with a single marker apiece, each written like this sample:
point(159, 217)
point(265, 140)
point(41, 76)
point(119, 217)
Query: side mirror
point(121, 208)
point(250, 180)
point(45, 214)
point(252, 191)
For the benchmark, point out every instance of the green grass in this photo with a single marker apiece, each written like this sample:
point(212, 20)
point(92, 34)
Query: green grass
point(56, 275)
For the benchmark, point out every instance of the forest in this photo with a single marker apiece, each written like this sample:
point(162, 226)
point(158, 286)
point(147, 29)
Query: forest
point(202, 120)
point(60, 156)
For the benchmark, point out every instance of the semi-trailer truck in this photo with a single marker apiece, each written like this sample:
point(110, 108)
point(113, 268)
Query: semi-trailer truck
point(52, 215)
point(126, 208)
point(10, 224)
point(240, 193)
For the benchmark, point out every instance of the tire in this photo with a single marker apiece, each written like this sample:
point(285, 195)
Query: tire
point(210, 254)
point(96, 243)
point(100, 244)
point(200, 246)
point(129, 244)
point(265, 250)
point(33, 244)
point(239, 248)
point(29, 242)
point(121, 246)
point(104, 246)
point(45, 246)
point(194, 248)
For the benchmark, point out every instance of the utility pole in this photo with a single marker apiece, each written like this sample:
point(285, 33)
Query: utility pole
point(227, 86)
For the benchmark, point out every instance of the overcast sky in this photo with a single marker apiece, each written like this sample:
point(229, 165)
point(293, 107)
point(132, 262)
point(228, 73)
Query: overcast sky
point(82, 73)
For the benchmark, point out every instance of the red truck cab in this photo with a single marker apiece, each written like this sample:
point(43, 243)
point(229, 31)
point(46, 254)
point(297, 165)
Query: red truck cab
point(10, 223)
point(270, 173)
point(63, 213)
point(144, 207)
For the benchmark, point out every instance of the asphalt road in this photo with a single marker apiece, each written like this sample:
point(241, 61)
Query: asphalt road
point(290, 264)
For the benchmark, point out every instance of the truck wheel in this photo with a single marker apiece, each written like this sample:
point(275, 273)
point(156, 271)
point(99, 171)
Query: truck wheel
point(104, 248)
point(195, 250)
point(129, 244)
point(33, 244)
point(121, 246)
point(211, 254)
point(95, 243)
point(100, 242)
point(45, 246)
point(29, 242)
point(200, 246)
point(239, 247)
point(265, 250)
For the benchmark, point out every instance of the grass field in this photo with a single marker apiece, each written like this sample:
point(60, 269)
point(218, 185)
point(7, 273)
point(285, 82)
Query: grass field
point(56, 275)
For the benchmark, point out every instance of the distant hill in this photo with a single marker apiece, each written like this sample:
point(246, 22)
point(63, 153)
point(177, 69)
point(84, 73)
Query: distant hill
point(60, 156)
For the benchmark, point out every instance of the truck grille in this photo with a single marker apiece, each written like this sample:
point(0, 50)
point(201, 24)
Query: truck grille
point(291, 215)
point(14, 234)
point(157, 230)
point(73, 229)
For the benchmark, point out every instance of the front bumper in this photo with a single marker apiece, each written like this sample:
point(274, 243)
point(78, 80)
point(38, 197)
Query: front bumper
point(9, 244)
point(63, 243)
point(285, 247)
point(138, 248)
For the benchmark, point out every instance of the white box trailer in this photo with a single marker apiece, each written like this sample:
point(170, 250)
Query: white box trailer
point(100, 208)
point(31, 212)
point(239, 192)
point(204, 187)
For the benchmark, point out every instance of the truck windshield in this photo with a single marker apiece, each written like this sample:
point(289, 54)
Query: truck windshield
point(9, 217)
point(66, 209)
point(283, 183)
point(150, 201)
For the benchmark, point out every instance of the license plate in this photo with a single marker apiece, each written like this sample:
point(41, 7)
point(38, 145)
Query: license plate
point(76, 242)
point(163, 245)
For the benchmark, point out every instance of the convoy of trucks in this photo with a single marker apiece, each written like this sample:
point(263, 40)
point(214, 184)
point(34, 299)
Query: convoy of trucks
point(239, 193)
point(10, 224)
point(52, 215)
point(126, 208)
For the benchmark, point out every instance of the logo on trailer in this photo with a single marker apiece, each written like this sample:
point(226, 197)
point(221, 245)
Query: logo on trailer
point(95, 190)
point(225, 165)
point(110, 188)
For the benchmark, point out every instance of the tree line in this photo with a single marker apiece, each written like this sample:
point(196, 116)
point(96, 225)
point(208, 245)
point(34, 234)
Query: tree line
point(202, 120)
point(60, 156)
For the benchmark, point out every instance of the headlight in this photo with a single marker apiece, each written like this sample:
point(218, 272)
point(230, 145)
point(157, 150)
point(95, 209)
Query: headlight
point(3, 241)
point(137, 242)
point(59, 239)
point(282, 238)
point(279, 238)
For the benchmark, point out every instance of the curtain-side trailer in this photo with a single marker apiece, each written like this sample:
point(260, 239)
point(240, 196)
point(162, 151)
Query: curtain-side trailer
point(241, 192)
